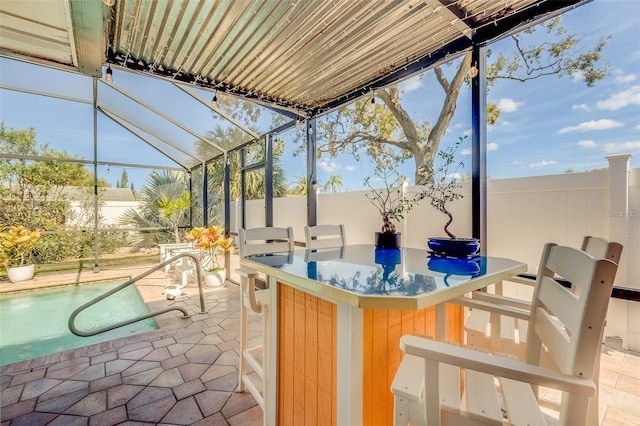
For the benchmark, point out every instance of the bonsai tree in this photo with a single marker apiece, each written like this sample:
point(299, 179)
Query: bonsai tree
point(390, 199)
point(16, 245)
point(445, 186)
point(212, 240)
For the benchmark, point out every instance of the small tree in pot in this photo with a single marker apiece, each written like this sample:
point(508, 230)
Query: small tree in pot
point(392, 203)
point(443, 191)
point(445, 186)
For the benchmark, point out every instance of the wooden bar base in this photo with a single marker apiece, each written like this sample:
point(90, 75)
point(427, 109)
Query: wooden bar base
point(307, 356)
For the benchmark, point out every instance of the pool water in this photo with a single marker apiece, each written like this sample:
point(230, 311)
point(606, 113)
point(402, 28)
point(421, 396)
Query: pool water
point(35, 323)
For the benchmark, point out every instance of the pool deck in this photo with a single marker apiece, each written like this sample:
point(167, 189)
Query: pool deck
point(186, 373)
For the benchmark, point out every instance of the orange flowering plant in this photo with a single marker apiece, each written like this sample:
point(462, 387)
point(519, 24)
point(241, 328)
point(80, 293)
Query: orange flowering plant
point(212, 240)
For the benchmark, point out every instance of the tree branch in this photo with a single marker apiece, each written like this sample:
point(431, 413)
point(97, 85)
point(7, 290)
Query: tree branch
point(442, 79)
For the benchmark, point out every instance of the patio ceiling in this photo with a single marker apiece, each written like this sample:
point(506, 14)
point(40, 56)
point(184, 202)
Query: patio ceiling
point(304, 57)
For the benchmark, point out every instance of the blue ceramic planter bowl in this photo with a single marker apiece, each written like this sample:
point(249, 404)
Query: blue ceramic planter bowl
point(455, 266)
point(458, 247)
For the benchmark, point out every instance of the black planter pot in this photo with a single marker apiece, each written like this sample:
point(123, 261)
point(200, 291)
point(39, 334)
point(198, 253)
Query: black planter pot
point(454, 247)
point(388, 240)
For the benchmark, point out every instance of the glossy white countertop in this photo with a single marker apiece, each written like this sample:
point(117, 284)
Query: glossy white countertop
point(362, 276)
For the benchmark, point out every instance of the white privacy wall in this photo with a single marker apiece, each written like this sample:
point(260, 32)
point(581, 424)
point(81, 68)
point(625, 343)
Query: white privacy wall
point(523, 214)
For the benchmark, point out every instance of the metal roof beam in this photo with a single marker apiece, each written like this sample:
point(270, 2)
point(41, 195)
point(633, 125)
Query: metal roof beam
point(112, 114)
point(87, 44)
point(218, 111)
point(163, 115)
point(453, 15)
point(47, 94)
point(86, 162)
point(495, 30)
point(285, 108)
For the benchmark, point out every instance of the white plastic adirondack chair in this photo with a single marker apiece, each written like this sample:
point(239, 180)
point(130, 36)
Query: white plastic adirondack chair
point(460, 386)
point(488, 330)
point(265, 240)
point(324, 236)
point(494, 332)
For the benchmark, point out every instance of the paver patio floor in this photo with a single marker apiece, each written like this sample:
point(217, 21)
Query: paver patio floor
point(182, 374)
point(186, 373)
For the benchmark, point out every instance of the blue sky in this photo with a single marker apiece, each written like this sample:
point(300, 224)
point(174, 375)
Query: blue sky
point(547, 126)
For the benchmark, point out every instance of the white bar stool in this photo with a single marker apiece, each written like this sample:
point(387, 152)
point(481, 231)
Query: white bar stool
point(257, 241)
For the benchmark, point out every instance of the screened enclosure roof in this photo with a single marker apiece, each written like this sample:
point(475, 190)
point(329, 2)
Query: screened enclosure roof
point(301, 57)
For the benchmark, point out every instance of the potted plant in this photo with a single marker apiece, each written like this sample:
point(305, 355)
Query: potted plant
point(392, 203)
point(442, 191)
point(212, 240)
point(16, 249)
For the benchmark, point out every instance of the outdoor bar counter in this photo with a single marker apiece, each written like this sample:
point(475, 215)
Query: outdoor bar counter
point(337, 317)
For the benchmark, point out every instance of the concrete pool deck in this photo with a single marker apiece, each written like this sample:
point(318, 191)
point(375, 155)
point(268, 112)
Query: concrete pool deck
point(186, 372)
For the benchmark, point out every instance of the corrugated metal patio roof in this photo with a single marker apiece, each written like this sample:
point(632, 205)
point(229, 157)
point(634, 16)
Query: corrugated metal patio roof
point(301, 56)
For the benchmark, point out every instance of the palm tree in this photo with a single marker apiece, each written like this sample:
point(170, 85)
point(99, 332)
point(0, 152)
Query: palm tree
point(233, 137)
point(299, 186)
point(334, 184)
point(164, 202)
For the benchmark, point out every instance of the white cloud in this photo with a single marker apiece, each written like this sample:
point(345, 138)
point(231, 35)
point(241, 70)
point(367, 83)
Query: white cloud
point(626, 78)
point(500, 124)
point(581, 107)
point(508, 105)
point(350, 168)
point(466, 151)
point(637, 127)
point(329, 166)
point(414, 83)
point(543, 163)
point(578, 76)
point(466, 132)
point(631, 96)
point(588, 126)
point(587, 144)
point(614, 148)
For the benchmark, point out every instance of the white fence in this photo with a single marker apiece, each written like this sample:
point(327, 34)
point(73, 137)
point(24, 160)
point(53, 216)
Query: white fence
point(523, 214)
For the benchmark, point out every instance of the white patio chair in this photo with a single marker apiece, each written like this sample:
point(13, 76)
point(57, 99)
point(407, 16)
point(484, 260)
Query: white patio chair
point(265, 240)
point(184, 270)
point(491, 331)
point(508, 334)
point(166, 252)
point(324, 236)
point(460, 381)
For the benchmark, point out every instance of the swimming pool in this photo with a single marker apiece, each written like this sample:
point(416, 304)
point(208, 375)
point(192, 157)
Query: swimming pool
point(34, 323)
